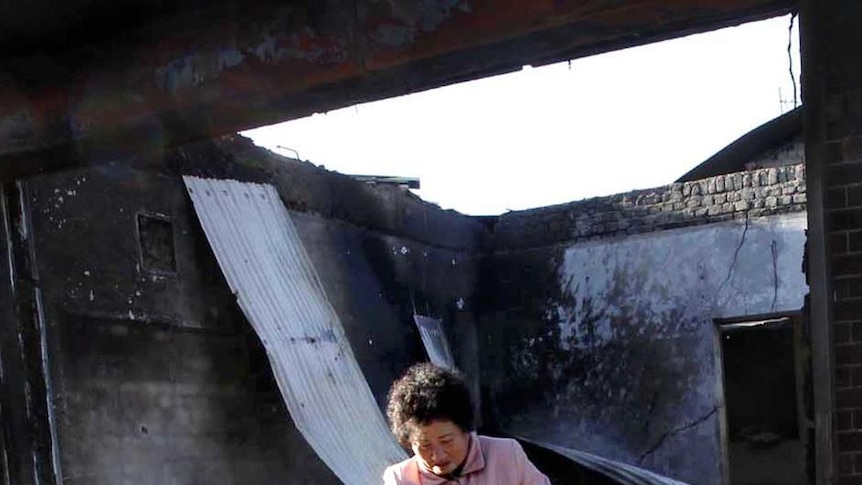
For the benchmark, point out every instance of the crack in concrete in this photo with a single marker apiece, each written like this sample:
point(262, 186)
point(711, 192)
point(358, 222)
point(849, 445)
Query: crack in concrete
point(774, 273)
point(733, 262)
point(672, 432)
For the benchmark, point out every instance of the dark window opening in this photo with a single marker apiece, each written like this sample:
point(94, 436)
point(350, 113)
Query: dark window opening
point(156, 241)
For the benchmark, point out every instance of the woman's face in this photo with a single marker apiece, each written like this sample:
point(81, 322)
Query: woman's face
point(441, 445)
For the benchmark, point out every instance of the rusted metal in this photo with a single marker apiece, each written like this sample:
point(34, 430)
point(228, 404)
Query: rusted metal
point(206, 71)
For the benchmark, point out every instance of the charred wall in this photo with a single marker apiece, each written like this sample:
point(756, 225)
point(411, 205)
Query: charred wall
point(155, 375)
point(600, 330)
point(595, 318)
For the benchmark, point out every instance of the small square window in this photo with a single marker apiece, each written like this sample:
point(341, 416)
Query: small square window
point(156, 244)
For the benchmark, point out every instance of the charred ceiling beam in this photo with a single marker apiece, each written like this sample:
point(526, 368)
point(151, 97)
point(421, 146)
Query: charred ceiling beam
point(209, 69)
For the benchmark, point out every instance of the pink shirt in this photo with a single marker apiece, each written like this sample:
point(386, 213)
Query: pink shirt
point(495, 461)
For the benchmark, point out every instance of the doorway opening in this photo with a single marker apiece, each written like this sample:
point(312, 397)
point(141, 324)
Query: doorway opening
point(764, 379)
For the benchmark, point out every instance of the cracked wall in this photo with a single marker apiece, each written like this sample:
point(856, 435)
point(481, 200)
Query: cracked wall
point(609, 346)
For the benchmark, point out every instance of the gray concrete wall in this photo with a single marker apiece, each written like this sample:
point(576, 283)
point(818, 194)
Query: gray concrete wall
point(156, 377)
point(609, 346)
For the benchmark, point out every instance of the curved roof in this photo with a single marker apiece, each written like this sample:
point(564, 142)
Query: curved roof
point(765, 137)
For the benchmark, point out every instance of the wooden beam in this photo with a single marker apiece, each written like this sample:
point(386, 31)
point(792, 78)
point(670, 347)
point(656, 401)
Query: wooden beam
point(229, 67)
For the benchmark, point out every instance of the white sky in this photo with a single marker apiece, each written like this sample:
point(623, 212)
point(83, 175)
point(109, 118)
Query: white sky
point(615, 122)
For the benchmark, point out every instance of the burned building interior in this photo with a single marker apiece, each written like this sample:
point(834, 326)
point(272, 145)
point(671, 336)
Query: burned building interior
point(180, 306)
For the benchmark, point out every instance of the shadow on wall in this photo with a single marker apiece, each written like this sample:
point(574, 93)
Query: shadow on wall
point(613, 373)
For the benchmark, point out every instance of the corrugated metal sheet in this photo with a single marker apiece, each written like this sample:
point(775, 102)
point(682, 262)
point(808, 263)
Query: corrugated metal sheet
point(623, 473)
point(434, 340)
point(278, 289)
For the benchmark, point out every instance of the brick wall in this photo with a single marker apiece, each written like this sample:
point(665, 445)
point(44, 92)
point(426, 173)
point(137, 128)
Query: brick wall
point(832, 89)
point(843, 210)
point(754, 193)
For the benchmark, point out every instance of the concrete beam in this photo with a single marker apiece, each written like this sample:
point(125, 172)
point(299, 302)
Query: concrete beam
point(215, 70)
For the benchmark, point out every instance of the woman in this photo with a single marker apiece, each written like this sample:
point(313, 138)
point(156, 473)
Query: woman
point(431, 413)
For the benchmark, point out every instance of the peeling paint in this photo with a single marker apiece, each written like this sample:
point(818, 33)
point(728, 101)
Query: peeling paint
point(230, 57)
point(198, 67)
point(406, 20)
point(224, 67)
point(399, 28)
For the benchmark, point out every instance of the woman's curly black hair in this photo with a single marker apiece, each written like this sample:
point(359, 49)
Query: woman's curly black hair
point(426, 393)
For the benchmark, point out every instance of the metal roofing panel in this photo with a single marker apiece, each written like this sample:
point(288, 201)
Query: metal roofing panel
point(434, 340)
point(280, 293)
point(624, 473)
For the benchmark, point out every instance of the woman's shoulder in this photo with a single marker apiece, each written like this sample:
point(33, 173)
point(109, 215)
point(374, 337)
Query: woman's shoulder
point(490, 442)
point(494, 449)
point(508, 454)
point(402, 473)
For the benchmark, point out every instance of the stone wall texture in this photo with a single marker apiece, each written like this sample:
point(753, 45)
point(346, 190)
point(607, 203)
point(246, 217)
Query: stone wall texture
point(755, 193)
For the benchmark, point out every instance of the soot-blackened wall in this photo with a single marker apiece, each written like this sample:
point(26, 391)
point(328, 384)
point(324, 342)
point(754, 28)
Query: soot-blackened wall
point(607, 342)
point(155, 375)
point(596, 318)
